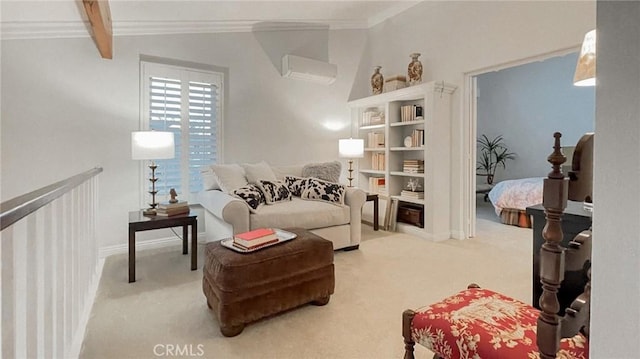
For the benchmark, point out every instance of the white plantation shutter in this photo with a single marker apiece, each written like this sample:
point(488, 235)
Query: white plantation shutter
point(203, 119)
point(188, 103)
point(165, 113)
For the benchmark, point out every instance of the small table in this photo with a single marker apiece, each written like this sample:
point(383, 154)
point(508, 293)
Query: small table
point(374, 197)
point(139, 222)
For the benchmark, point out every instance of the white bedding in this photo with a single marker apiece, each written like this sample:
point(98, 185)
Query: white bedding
point(518, 194)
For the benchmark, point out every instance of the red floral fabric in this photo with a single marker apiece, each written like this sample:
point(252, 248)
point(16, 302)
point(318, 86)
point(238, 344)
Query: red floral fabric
point(482, 324)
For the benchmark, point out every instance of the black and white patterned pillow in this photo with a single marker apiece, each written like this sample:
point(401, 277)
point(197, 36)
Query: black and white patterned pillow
point(320, 190)
point(296, 185)
point(251, 194)
point(274, 191)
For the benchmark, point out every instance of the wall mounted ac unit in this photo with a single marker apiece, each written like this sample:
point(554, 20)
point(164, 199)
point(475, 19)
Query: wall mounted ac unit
point(302, 68)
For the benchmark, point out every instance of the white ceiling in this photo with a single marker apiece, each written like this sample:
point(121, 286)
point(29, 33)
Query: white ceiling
point(66, 18)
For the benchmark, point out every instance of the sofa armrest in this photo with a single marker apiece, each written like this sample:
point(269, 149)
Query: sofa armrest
point(355, 197)
point(230, 210)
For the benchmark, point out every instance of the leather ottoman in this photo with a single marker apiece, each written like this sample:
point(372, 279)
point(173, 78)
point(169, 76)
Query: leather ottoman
point(244, 287)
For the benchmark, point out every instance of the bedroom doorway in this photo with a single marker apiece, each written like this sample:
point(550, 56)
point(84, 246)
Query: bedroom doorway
point(519, 101)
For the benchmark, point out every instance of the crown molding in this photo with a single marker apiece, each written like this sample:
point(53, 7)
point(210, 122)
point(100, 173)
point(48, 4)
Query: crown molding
point(44, 29)
point(73, 29)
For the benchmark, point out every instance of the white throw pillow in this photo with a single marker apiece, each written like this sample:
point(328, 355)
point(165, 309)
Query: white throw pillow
point(258, 171)
point(229, 177)
point(209, 180)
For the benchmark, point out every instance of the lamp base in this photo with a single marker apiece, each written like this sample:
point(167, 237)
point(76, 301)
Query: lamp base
point(151, 211)
point(350, 178)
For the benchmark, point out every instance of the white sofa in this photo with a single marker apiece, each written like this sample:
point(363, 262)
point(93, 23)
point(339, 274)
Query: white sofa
point(341, 224)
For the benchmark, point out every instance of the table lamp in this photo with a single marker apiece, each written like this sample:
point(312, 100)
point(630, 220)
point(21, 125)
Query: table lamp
point(152, 145)
point(351, 148)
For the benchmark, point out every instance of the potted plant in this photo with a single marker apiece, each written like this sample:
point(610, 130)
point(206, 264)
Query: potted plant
point(493, 153)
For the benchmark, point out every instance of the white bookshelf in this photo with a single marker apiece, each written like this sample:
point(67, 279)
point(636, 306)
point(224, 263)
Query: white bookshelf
point(430, 142)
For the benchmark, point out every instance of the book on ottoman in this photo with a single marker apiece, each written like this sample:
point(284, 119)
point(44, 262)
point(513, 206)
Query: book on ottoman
point(257, 237)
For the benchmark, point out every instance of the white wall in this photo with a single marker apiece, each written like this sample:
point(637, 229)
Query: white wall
point(65, 110)
point(615, 313)
point(461, 37)
point(527, 103)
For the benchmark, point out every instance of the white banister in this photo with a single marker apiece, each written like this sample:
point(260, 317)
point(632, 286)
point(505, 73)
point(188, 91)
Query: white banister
point(49, 268)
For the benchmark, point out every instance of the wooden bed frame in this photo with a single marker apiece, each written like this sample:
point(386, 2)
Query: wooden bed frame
point(515, 217)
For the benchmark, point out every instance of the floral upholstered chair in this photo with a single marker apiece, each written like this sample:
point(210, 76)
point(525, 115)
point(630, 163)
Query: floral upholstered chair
point(478, 323)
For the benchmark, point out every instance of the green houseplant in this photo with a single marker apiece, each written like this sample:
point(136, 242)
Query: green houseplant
point(493, 153)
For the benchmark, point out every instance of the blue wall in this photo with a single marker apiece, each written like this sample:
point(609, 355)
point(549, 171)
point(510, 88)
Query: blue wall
point(526, 104)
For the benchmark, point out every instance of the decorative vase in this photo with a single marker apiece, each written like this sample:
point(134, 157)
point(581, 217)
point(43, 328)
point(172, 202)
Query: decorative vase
point(489, 179)
point(415, 69)
point(377, 81)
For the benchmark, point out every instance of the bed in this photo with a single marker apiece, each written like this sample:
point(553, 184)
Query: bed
point(511, 198)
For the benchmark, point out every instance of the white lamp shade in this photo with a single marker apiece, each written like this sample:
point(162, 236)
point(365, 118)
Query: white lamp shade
point(586, 68)
point(152, 145)
point(351, 148)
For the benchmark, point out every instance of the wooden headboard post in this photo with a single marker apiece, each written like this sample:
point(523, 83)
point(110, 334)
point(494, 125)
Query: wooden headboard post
point(581, 174)
point(554, 200)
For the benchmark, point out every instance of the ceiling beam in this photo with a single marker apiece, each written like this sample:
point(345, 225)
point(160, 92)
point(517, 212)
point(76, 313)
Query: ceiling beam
point(100, 19)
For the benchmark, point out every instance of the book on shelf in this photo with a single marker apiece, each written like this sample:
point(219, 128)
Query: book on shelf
point(167, 212)
point(413, 166)
point(372, 117)
point(375, 140)
point(410, 113)
point(377, 185)
point(412, 194)
point(169, 205)
point(417, 138)
point(377, 161)
point(255, 238)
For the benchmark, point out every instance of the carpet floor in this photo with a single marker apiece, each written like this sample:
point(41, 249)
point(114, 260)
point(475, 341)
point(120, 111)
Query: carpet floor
point(164, 313)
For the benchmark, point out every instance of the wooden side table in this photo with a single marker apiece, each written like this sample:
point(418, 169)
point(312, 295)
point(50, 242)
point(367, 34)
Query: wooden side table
point(139, 222)
point(374, 197)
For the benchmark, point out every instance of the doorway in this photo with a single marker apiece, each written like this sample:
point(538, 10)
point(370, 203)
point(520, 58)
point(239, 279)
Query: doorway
point(525, 102)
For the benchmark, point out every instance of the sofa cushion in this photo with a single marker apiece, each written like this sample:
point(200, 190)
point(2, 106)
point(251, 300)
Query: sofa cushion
point(318, 190)
point(274, 191)
point(229, 177)
point(328, 171)
point(258, 171)
point(296, 184)
point(250, 194)
point(300, 213)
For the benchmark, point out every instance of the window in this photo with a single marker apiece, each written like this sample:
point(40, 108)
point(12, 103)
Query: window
point(187, 102)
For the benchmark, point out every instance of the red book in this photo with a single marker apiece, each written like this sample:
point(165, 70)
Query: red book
point(238, 245)
point(255, 238)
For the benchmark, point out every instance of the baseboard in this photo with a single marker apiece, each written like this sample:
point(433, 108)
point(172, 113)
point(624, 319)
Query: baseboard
point(458, 235)
point(143, 245)
point(78, 337)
